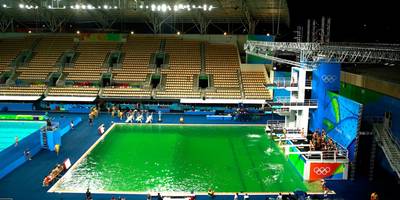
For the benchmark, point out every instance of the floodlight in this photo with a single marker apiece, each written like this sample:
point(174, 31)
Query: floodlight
point(164, 8)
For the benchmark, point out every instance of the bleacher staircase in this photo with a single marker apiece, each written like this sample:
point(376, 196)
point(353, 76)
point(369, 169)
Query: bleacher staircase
point(390, 146)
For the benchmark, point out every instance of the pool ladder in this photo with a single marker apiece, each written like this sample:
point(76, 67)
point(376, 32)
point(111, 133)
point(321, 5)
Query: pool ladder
point(44, 139)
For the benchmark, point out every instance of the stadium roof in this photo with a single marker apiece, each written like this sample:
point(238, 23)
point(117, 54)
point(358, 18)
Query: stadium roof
point(107, 12)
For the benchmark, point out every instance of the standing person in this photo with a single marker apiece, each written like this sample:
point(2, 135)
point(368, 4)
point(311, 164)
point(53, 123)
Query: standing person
point(159, 116)
point(88, 194)
point(27, 154)
point(71, 124)
point(211, 193)
point(91, 119)
point(16, 141)
point(236, 196)
point(246, 197)
point(57, 149)
point(148, 197)
point(279, 197)
point(159, 197)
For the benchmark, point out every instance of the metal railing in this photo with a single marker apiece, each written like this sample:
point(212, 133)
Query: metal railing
point(285, 101)
point(389, 145)
point(284, 82)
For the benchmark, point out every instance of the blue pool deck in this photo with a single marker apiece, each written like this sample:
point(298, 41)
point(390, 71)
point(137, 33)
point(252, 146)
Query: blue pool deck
point(25, 182)
point(9, 130)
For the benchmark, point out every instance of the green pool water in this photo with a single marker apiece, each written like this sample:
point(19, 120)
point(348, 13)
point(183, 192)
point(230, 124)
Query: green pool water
point(141, 158)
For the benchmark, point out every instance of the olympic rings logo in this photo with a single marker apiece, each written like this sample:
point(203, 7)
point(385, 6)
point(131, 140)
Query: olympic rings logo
point(322, 170)
point(328, 78)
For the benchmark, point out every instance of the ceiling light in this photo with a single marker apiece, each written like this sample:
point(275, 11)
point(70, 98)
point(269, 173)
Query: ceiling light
point(4, 6)
point(78, 32)
point(141, 6)
point(178, 33)
point(153, 7)
point(267, 34)
point(49, 7)
point(164, 8)
point(36, 7)
point(83, 7)
point(132, 32)
point(21, 5)
point(29, 31)
point(115, 7)
point(225, 33)
point(105, 7)
point(77, 6)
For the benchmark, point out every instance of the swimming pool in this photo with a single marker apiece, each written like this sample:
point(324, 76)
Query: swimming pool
point(184, 158)
point(10, 129)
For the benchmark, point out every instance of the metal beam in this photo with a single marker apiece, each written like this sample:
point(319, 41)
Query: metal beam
point(5, 22)
point(312, 53)
point(251, 22)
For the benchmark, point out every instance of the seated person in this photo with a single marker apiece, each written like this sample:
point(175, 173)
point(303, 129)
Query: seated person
point(149, 119)
point(139, 118)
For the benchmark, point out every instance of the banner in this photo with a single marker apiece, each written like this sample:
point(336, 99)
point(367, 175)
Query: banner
point(102, 37)
point(325, 170)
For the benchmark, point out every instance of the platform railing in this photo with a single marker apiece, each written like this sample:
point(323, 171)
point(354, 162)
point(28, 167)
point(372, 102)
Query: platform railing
point(285, 101)
point(284, 82)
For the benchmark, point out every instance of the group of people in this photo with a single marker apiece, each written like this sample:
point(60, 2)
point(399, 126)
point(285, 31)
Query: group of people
point(138, 116)
point(131, 116)
point(321, 142)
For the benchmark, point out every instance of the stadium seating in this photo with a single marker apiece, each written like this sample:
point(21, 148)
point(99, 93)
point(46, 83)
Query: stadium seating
point(253, 85)
point(184, 63)
point(10, 48)
point(222, 62)
point(23, 91)
point(135, 66)
point(46, 55)
point(178, 78)
point(73, 91)
point(134, 93)
point(89, 65)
